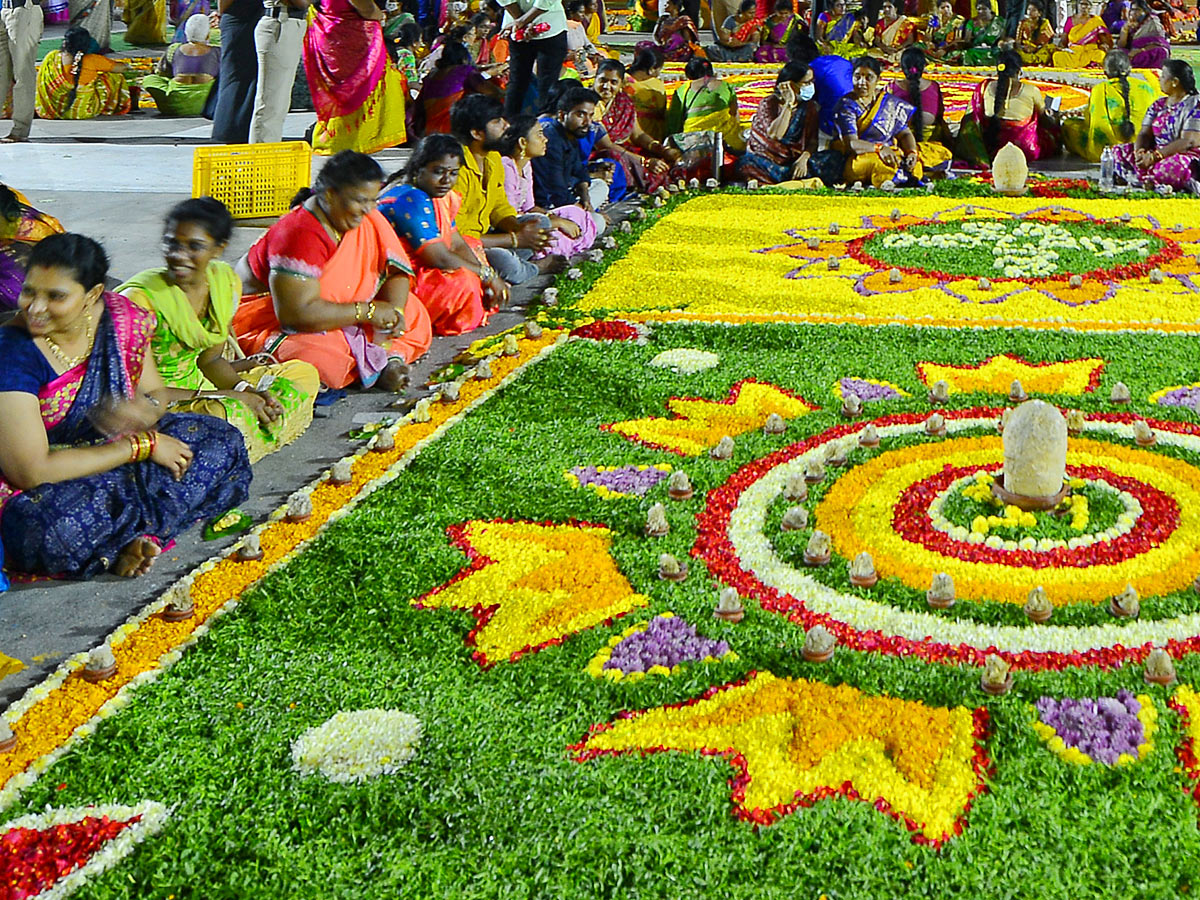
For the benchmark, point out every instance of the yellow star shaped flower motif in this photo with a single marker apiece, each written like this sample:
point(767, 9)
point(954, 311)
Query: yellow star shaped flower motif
point(800, 740)
point(997, 373)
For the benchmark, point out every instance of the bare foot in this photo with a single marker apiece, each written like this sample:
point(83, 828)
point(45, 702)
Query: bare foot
point(394, 377)
point(551, 265)
point(137, 557)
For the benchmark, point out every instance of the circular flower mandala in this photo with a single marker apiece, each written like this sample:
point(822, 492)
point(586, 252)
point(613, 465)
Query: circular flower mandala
point(987, 256)
point(887, 504)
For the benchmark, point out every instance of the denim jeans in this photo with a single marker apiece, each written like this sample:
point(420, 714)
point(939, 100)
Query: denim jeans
point(516, 266)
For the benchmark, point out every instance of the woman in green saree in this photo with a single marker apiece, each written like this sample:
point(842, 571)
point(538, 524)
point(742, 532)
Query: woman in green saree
point(193, 298)
point(982, 35)
point(705, 103)
point(943, 39)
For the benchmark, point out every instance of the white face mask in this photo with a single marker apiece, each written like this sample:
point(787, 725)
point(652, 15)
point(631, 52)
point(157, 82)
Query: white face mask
point(807, 91)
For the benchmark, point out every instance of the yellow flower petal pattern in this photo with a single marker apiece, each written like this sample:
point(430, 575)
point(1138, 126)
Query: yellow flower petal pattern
point(997, 373)
point(700, 424)
point(798, 741)
point(532, 585)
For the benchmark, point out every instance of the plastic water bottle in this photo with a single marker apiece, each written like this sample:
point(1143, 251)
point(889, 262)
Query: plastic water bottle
point(1107, 171)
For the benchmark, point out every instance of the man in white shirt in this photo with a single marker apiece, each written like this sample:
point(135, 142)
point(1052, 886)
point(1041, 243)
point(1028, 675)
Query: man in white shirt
point(536, 31)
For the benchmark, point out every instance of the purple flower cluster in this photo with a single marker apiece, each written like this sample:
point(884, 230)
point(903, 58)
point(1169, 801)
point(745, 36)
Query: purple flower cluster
point(1102, 727)
point(1182, 396)
point(667, 641)
point(623, 480)
point(866, 390)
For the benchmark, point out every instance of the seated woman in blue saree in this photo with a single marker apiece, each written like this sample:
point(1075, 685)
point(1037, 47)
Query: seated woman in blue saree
point(873, 131)
point(92, 478)
point(839, 31)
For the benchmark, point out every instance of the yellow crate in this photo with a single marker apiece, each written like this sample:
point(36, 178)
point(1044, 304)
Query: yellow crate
point(253, 180)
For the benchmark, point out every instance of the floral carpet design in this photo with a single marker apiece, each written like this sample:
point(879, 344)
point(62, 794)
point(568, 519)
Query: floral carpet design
point(1087, 263)
point(593, 620)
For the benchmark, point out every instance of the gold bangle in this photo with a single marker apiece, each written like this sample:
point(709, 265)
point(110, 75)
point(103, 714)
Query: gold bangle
point(358, 316)
point(371, 311)
point(145, 446)
point(133, 447)
point(513, 234)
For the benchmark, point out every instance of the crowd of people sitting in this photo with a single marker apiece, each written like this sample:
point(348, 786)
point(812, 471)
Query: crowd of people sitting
point(383, 73)
point(133, 413)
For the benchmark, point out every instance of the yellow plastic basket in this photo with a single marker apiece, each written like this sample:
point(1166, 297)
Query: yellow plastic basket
point(253, 180)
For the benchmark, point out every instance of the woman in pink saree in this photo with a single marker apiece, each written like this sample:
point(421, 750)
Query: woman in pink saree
point(775, 33)
point(1007, 110)
point(1144, 39)
point(1167, 149)
point(1084, 41)
point(675, 35)
point(358, 94)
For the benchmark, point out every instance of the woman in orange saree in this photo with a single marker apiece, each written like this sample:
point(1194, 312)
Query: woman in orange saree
point(329, 284)
point(457, 287)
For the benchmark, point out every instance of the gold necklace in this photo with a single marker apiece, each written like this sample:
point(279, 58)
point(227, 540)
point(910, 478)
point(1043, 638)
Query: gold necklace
point(72, 361)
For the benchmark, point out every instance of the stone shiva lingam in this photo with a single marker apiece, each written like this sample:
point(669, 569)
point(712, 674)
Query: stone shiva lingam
point(818, 552)
point(795, 488)
point(656, 521)
point(1010, 171)
point(1035, 458)
point(1160, 668)
point(679, 486)
point(818, 645)
point(795, 519)
point(997, 677)
point(862, 571)
point(729, 606)
point(1038, 607)
point(672, 569)
point(1126, 604)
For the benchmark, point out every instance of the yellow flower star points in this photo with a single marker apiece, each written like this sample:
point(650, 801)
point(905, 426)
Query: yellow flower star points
point(996, 374)
point(798, 741)
point(700, 424)
point(533, 585)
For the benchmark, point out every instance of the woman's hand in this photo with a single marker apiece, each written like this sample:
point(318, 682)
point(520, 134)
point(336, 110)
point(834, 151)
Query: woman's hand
point(888, 156)
point(173, 455)
point(119, 415)
point(787, 94)
point(495, 293)
point(910, 160)
point(1144, 158)
point(387, 318)
point(265, 406)
point(657, 166)
point(800, 169)
point(565, 226)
